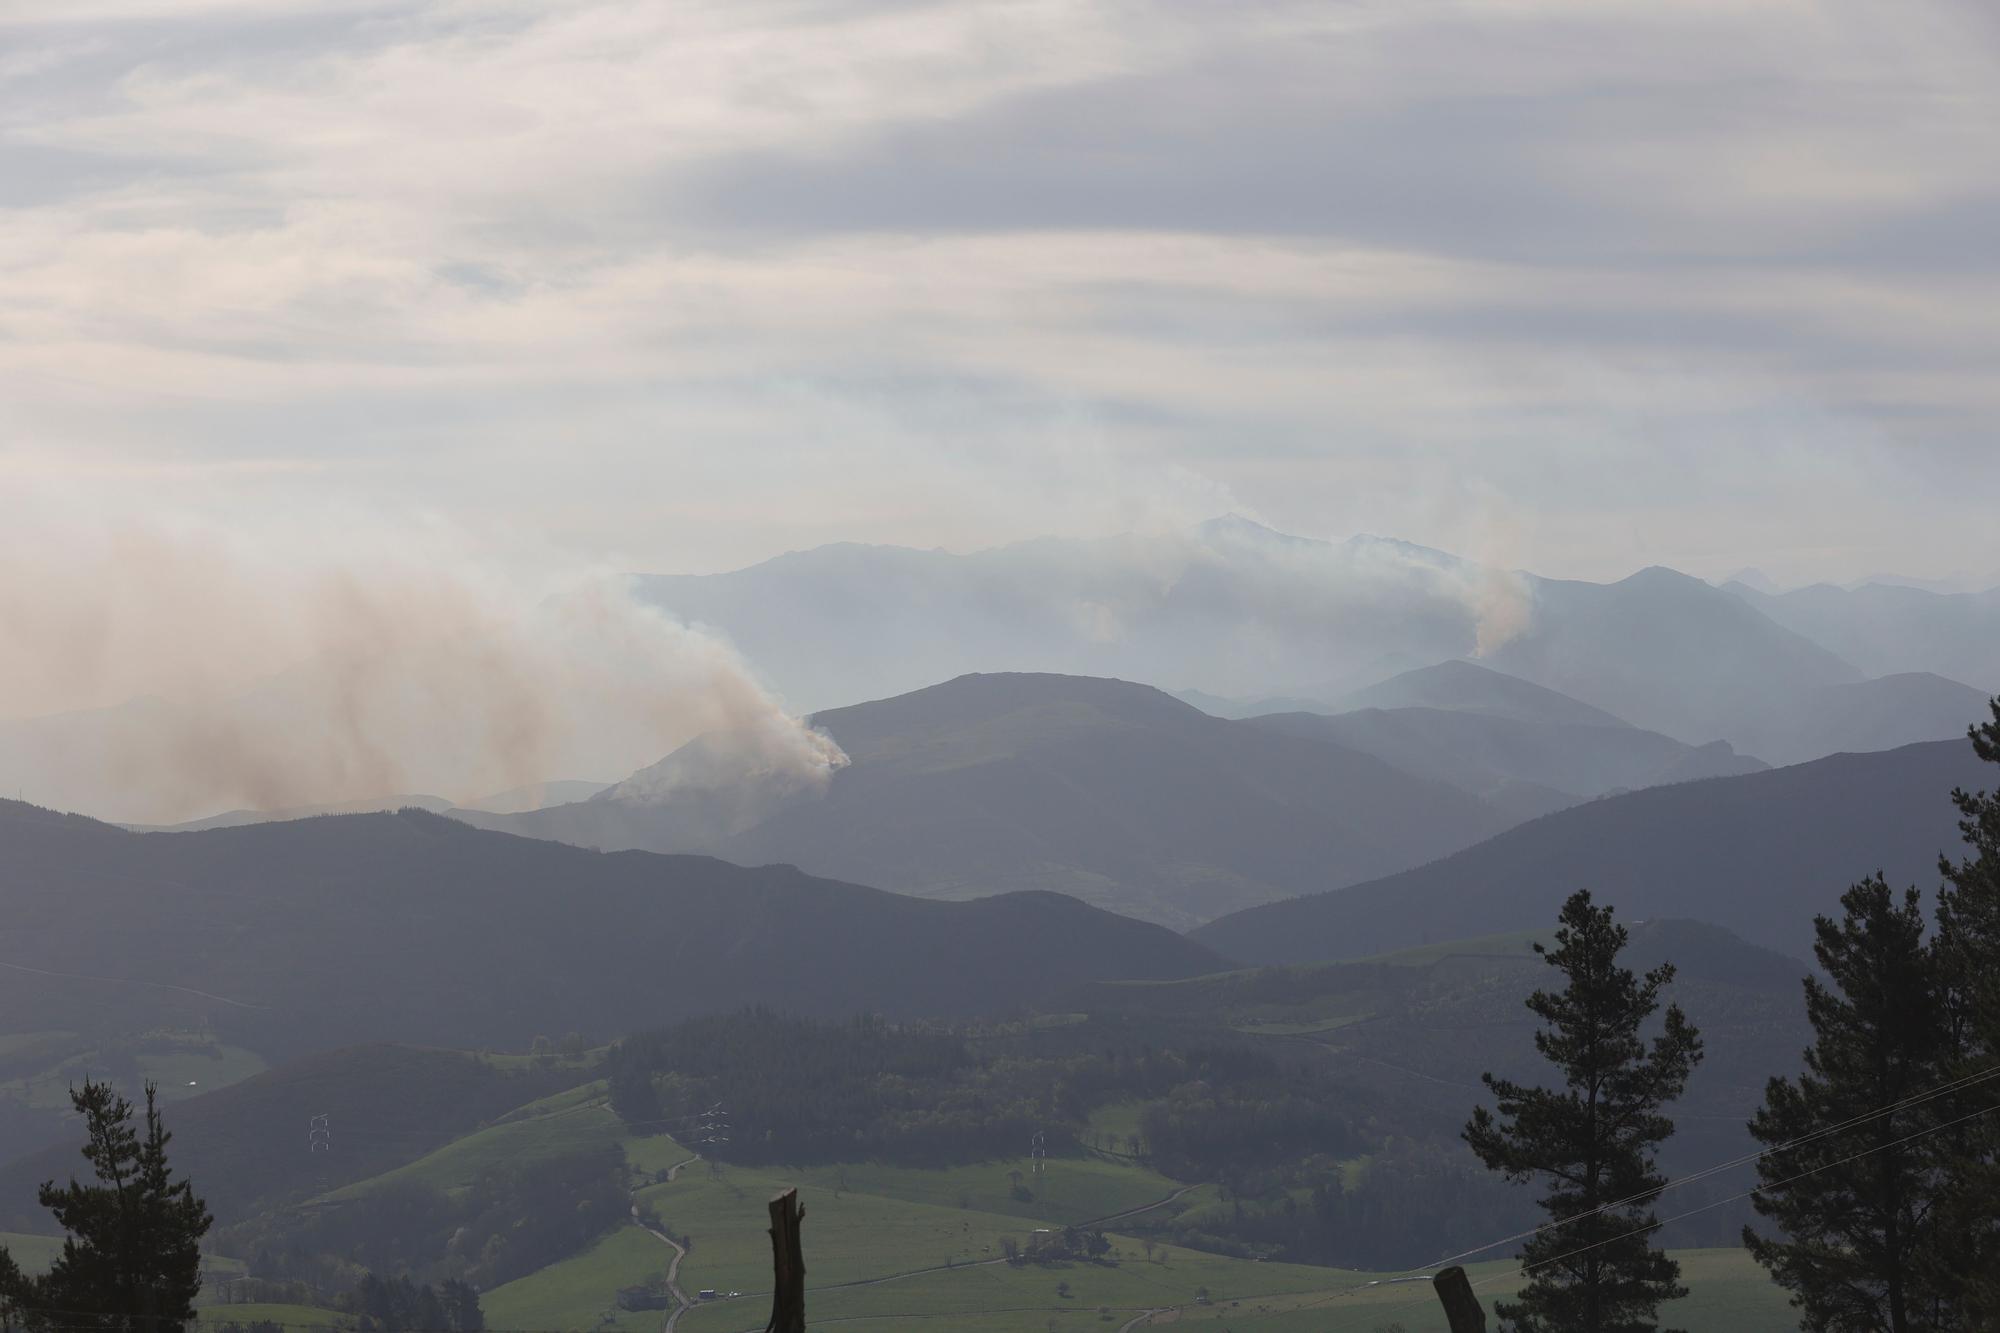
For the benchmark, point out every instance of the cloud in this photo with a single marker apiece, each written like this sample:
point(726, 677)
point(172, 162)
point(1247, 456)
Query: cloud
point(687, 284)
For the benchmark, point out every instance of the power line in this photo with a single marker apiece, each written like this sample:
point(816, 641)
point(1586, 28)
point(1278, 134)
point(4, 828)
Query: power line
point(1960, 1084)
point(1916, 1099)
point(1717, 1203)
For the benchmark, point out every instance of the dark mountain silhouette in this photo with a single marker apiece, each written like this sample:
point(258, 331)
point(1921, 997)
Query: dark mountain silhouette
point(1758, 854)
point(1523, 767)
point(412, 927)
point(1114, 792)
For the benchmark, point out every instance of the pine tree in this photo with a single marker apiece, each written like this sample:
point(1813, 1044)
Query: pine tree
point(12, 1288)
point(1968, 945)
point(1857, 1230)
point(1593, 1140)
point(132, 1258)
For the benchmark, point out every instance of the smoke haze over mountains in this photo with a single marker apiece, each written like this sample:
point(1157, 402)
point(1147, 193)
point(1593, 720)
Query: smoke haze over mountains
point(160, 670)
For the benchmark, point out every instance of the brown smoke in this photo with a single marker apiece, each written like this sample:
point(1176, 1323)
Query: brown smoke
point(246, 678)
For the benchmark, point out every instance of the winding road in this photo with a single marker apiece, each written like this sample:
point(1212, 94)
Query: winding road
point(681, 1303)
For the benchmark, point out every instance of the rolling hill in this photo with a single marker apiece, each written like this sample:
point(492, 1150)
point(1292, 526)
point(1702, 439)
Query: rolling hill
point(249, 1143)
point(1758, 854)
point(1116, 793)
point(411, 927)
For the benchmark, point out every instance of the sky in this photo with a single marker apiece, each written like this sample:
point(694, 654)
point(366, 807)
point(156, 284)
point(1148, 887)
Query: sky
point(1575, 286)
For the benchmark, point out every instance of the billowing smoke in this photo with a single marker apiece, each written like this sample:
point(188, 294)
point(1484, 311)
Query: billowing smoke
point(218, 671)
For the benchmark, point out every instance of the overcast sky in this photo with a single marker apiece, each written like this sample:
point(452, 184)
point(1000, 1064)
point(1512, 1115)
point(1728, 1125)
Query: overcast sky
point(1570, 285)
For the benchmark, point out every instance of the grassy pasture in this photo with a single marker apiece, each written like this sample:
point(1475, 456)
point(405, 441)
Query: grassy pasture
point(569, 1126)
point(1070, 1189)
point(1729, 1295)
point(288, 1316)
point(580, 1292)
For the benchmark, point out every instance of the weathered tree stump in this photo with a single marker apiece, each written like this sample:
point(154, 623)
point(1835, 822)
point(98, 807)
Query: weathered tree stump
point(788, 1266)
point(1461, 1307)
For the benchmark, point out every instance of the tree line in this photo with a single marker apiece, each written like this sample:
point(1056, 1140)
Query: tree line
point(1880, 1173)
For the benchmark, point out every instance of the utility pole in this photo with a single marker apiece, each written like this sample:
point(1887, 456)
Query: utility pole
point(319, 1139)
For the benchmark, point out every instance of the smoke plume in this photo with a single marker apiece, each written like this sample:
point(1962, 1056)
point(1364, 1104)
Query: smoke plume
point(191, 671)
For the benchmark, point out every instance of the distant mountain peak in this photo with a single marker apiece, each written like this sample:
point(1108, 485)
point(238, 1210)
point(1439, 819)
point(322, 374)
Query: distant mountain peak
point(1460, 685)
point(1756, 580)
point(1235, 527)
point(1664, 577)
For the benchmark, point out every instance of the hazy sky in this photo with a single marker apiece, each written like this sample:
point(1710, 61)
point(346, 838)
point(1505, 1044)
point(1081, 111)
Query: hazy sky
point(1575, 285)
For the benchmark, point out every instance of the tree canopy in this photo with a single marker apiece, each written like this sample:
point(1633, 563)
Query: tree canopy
point(1592, 1268)
point(132, 1256)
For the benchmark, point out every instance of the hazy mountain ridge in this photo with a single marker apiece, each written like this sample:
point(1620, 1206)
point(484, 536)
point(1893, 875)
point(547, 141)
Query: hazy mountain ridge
point(1526, 768)
point(411, 927)
point(1114, 792)
point(1242, 619)
point(1233, 612)
point(1758, 854)
point(1471, 687)
point(1889, 629)
point(1666, 652)
point(1229, 606)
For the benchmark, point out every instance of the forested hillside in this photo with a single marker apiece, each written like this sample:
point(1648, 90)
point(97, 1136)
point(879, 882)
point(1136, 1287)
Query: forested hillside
point(1113, 792)
point(1758, 854)
point(410, 927)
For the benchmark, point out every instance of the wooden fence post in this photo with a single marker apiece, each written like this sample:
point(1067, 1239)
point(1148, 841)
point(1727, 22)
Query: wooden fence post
point(1461, 1307)
point(788, 1266)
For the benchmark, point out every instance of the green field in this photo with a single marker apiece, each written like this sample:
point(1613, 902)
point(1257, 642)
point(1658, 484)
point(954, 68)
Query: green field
point(899, 1248)
point(183, 1065)
point(11, 1042)
point(579, 1292)
point(1119, 1119)
point(1729, 1295)
point(290, 1316)
point(1069, 1189)
point(553, 1127)
point(191, 1072)
point(856, 1235)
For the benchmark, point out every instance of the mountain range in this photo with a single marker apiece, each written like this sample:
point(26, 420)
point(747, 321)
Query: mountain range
point(302, 935)
point(1759, 854)
point(1237, 618)
point(1113, 792)
point(1231, 611)
point(1888, 629)
point(1525, 769)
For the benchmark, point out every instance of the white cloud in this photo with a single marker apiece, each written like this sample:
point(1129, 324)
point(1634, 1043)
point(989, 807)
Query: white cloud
point(691, 283)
